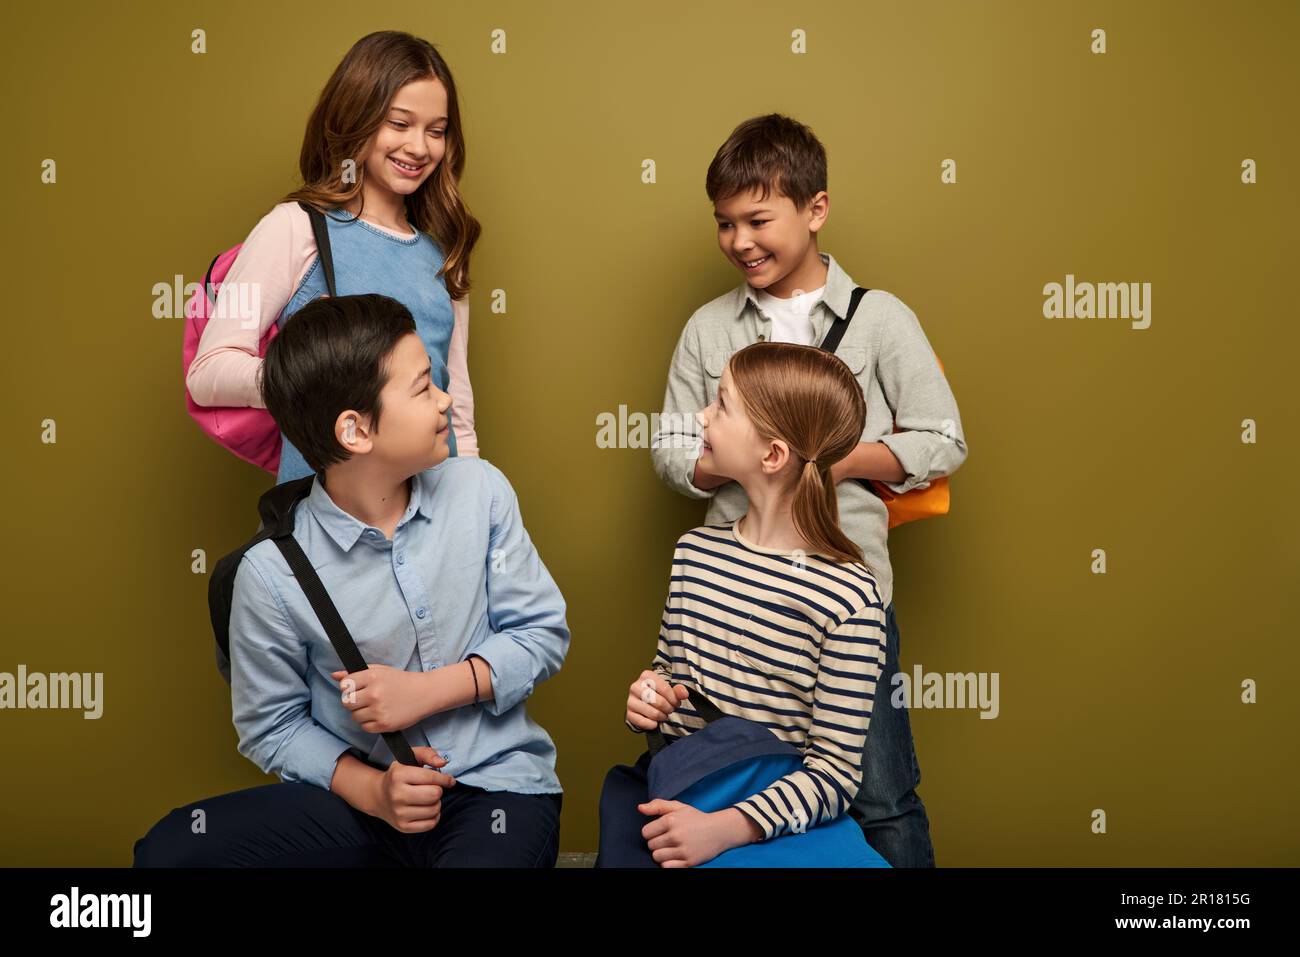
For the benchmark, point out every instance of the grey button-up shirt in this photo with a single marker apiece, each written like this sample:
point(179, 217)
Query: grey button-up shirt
point(900, 376)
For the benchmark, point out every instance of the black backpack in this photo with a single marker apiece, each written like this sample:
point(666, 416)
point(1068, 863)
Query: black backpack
point(277, 507)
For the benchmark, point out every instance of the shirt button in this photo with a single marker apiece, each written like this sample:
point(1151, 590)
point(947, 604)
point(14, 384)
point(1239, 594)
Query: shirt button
point(401, 559)
point(419, 613)
point(761, 338)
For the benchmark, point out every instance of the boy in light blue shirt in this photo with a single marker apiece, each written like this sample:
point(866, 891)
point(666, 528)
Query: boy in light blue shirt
point(428, 562)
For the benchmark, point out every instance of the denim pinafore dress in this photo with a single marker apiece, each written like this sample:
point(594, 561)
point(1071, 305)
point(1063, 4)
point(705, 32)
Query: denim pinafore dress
point(368, 259)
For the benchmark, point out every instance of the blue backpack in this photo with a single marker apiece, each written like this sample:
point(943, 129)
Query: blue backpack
point(726, 761)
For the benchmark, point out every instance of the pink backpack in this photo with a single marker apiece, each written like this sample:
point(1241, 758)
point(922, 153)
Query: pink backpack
point(248, 432)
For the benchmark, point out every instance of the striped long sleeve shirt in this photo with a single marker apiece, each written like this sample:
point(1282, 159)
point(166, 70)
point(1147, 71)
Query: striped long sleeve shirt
point(793, 641)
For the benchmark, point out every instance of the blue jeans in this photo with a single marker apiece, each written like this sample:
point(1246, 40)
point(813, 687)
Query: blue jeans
point(887, 807)
point(296, 824)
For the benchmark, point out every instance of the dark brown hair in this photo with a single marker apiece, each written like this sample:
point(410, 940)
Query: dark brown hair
point(352, 106)
point(809, 399)
point(332, 354)
point(767, 152)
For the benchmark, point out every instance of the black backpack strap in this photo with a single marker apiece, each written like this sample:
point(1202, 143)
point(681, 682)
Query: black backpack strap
point(277, 507)
point(832, 342)
point(274, 504)
point(272, 507)
point(207, 281)
point(322, 234)
point(836, 332)
point(338, 633)
point(705, 708)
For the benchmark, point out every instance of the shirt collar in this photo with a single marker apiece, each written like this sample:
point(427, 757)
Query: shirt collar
point(345, 528)
point(839, 289)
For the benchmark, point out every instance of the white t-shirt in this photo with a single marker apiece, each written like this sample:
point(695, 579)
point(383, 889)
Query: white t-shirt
point(790, 322)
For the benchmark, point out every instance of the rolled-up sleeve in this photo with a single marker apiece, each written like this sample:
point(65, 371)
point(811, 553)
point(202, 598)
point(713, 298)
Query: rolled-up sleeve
point(676, 442)
point(529, 635)
point(270, 699)
point(930, 442)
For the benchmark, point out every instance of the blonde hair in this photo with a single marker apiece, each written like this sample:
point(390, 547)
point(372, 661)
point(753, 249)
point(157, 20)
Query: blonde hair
point(352, 106)
point(808, 398)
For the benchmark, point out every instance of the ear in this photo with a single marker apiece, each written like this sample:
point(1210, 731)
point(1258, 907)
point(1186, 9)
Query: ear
point(819, 209)
point(352, 431)
point(776, 457)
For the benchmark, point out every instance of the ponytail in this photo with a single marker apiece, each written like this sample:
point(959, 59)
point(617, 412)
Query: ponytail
point(816, 514)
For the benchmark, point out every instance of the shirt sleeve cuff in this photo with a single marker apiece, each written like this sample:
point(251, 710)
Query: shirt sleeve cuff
point(512, 676)
point(912, 457)
point(747, 808)
point(693, 490)
point(676, 467)
point(312, 756)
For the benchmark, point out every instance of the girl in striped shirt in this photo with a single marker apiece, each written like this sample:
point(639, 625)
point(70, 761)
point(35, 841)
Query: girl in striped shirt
point(774, 616)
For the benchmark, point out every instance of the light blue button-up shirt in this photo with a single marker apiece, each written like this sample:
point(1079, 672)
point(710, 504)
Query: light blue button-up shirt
point(460, 576)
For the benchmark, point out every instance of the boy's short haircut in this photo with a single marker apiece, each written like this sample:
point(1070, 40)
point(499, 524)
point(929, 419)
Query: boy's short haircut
point(331, 355)
point(765, 152)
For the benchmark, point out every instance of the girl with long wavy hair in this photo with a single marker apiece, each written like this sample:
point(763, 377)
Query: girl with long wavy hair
point(382, 157)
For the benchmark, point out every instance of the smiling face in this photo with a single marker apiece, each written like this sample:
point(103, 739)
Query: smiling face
point(413, 421)
point(732, 446)
point(770, 241)
point(411, 141)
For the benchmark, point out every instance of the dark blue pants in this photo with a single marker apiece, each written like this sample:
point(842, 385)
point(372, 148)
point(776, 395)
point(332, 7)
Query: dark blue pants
point(887, 807)
point(302, 825)
point(621, 843)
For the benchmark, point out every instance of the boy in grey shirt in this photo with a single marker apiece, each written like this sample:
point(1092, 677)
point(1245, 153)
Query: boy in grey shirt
point(767, 183)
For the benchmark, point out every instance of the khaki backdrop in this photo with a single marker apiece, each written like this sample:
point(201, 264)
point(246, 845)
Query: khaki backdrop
point(1120, 692)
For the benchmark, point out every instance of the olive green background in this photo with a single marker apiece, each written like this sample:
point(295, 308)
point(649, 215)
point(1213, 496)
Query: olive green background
point(1120, 692)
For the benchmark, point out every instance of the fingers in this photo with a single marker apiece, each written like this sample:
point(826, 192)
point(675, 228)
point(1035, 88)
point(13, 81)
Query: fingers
point(651, 716)
point(415, 820)
point(428, 774)
point(429, 777)
point(665, 846)
point(350, 689)
point(658, 806)
point(418, 786)
point(421, 826)
point(660, 824)
point(428, 755)
point(672, 854)
point(657, 841)
point(418, 795)
point(370, 718)
point(652, 697)
point(672, 695)
point(639, 721)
